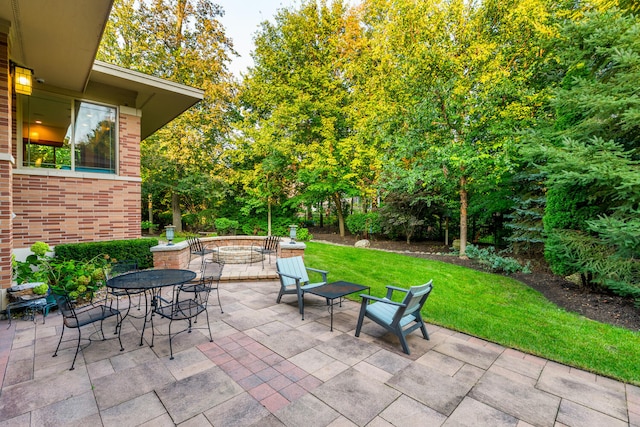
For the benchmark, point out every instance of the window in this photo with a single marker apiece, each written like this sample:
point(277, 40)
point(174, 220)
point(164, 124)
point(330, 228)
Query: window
point(68, 134)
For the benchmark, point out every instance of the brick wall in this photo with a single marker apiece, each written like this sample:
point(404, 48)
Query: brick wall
point(66, 209)
point(6, 207)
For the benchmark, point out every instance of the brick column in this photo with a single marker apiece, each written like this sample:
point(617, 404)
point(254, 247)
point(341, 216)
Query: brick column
point(289, 250)
point(6, 163)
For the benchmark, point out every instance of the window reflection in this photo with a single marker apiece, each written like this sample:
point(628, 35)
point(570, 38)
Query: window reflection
point(51, 133)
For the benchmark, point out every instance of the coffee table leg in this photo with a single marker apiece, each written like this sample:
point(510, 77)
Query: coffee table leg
point(331, 315)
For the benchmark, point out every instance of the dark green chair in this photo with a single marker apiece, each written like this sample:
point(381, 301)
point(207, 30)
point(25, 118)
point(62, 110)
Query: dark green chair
point(400, 318)
point(294, 279)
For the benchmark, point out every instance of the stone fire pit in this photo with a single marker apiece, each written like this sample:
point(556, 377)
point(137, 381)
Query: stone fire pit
point(238, 255)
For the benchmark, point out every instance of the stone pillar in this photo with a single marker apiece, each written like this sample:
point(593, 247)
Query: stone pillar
point(288, 249)
point(174, 256)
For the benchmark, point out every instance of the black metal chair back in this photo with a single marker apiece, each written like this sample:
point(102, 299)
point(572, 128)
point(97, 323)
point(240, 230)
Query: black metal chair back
point(269, 246)
point(198, 248)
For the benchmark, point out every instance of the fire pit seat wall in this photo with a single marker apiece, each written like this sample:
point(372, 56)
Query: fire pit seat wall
point(237, 255)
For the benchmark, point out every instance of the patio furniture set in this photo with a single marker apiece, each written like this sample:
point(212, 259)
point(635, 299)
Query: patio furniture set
point(189, 298)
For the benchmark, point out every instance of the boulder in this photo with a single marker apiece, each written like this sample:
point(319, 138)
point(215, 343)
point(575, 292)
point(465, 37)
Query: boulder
point(364, 243)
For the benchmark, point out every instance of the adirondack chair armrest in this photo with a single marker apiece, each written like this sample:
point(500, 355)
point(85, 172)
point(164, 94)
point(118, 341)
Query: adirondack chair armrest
point(391, 288)
point(323, 272)
point(296, 278)
point(291, 276)
point(366, 298)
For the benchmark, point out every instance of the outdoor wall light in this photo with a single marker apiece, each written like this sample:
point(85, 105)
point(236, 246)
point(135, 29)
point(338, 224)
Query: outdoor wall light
point(292, 233)
point(170, 232)
point(22, 80)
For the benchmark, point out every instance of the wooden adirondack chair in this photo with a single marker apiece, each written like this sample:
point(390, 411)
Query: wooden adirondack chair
point(396, 316)
point(294, 279)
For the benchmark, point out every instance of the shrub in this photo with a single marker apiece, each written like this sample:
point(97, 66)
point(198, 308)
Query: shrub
point(364, 224)
point(146, 225)
point(303, 235)
point(495, 262)
point(79, 279)
point(226, 226)
point(138, 250)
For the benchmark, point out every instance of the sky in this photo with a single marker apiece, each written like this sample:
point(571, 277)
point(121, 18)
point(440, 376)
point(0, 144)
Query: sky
point(241, 20)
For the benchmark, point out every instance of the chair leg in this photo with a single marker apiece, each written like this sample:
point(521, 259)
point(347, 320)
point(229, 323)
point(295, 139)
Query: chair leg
point(363, 310)
point(209, 326)
point(301, 303)
point(170, 342)
point(219, 303)
point(280, 295)
point(403, 342)
point(77, 350)
point(423, 328)
point(59, 342)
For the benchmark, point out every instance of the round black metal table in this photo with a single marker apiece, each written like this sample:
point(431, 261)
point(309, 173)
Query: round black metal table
point(150, 281)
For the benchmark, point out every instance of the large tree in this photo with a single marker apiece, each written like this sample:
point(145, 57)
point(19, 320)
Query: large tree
point(183, 41)
point(592, 167)
point(297, 101)
point(454, 78)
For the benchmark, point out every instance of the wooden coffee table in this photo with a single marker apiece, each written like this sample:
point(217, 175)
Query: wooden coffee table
point(337, 291)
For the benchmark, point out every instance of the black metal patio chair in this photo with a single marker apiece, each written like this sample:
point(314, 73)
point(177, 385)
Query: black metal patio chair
point(76, 318)
point(198, 248)
point(187, 303)
point(269, 246)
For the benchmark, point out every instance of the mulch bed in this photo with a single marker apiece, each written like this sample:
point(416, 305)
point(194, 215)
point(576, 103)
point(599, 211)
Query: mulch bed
point(603, 308)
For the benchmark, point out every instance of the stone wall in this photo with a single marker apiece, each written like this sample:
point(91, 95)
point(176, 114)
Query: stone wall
point(177, 255)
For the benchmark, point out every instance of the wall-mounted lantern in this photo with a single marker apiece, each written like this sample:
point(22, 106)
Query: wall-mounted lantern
point(22, 79)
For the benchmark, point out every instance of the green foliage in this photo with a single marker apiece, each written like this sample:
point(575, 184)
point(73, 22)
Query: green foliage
point(77, 279)
point(41, 289)
point(298, 119)
point(80, 279)
point(303, 235)
point(568, 207)
point(147, 225)
point(364, 224)
point(33, 269)
point(525, 218)
point(598, 263)
point(488, 256)
point(135, 249)
point(40, 249)
point(557, 254)
point(226, 226)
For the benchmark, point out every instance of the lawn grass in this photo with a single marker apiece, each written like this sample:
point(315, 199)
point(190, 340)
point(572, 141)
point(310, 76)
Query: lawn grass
point(490, 306)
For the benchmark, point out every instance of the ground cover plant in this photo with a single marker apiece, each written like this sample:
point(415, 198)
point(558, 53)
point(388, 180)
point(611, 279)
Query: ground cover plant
point(490, 306)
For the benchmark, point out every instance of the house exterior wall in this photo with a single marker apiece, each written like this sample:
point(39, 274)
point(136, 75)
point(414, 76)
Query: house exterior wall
point(70, 208)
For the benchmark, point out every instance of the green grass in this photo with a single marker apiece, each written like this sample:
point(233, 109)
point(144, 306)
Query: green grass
point(492, 307)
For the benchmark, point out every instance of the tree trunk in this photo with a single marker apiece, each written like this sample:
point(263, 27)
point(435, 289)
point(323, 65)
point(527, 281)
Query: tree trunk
point(175, 209)
point(463, 217)
point(269, 218)
point(339, 212)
